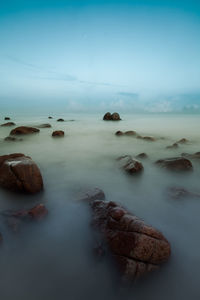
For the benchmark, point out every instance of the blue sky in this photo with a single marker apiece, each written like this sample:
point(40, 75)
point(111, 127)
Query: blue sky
point(101, 55)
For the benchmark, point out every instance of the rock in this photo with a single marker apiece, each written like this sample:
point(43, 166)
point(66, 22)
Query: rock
point(182, 141)
point(91, 195)
point(130, 165)
point(111, 117)
point(58, 133)
point(14, 219)
point(6, 118)
point(179, 192)
point(50, 117)
point(60, 120)
point(20, 173)
point(130, 132)
point(173, 146)
point(136, 247)
point(24, 130)
point(175, 164)
point(192, 156)
point(44, 126)
point(118, 133)
point(146, 138)
point(142, 155)
point(8, 124)
point(12, 139)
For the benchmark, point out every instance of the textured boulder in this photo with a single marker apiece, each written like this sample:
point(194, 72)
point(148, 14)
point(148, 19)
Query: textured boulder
point(60, 120)
point(8, 124)
point(136, 247)
point(175, 164)
point(111, 117)
point(130, 165)
point(24, 130)
point(20, 173)
point(58, 133)
point(44, 125)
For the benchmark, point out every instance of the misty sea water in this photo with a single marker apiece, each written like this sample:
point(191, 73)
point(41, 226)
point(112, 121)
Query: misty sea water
point(54, 257)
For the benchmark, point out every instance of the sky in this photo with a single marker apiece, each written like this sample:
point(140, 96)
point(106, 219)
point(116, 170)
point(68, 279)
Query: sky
point(134, 56)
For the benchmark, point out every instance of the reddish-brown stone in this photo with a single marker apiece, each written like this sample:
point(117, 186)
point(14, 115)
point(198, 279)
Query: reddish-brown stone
point(24, 130)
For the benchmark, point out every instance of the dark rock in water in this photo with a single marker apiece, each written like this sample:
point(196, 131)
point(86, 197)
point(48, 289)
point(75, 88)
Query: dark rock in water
point(91, 195)
point(20, 173)
point(192, 156)
point(142, 155)
point(6, 118)
point(44, 126)
point(179, 193)
point(130, 132)
point(175, 164)
point(111, 117)
point(12, 139)
point(173, 146)
point(130, 165)
point(8, 124)
point(60, 120)
point(118, 133)
point(24, 130)
point(14, 219)
point(50, 117)
point(58, 133)
point(146, 138)
point(183, 141)
point(136, 247)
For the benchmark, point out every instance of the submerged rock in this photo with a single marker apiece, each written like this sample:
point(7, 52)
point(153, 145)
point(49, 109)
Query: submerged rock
point(192, 156)
point(44, 125)
point(20, 173)
point(12, 139)
point(180, 192)
point(182, 141)
point(58, 133)
point(175, 164)
point(136, 247)
point(146, 138)
point(130, 165)
point(91, 195)
point(111, 117)
point(8, 124)
point(24, 130)
point(142, 155)
point(173, 146)
point(60, 120)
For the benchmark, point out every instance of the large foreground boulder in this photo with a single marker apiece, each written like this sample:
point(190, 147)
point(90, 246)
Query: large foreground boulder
point(111, 117)
point(136, 247)
point(130, 165)
point(175, 164)
point(20, 173)
point(24, 130)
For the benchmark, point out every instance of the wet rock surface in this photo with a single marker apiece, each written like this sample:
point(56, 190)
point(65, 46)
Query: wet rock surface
point(136, 248)
point(58, 133)
point(130, 165)
point(24, 130)
point(20, 173)
point(175, 164)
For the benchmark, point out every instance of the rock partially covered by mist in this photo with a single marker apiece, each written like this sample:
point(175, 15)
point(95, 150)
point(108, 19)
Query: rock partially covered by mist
point(180, 193)
point(44, 125)
point(192, 156)
point(136, 247)
point(24, 130)
point(130, 165)
point(6, 118)
point(175, 164)
point(183, 141)
point(173, 146)
point(20, 173)
point(142, 155)
point(14, 219)
point(60, 120)
point(118, 133)
point(12, 139)
point(50, 117)
point(58, 133)
point(129, 133)
point(91, 195)
point(146, 138)
point(8, 124)
point(111, 117)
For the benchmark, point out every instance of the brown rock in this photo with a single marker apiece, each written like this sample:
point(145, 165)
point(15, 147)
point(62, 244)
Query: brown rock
point(111, 117)
point(142, 155)
point(118, 133)
point(175, 164)
point(130, 132)
point(130, 165)
point(115, 117)
point(146, 138)
point(44, 126)
point(24, 130)
point(20, 173)
point(8, 124)
point(58, 133)
point(173, 146)
point(136, 247)
point(183, 141)
point(60, 120)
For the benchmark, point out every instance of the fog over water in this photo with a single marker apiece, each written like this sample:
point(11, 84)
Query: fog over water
point(53, 259)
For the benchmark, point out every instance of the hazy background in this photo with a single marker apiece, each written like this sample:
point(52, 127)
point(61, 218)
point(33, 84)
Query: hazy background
point(140, 56)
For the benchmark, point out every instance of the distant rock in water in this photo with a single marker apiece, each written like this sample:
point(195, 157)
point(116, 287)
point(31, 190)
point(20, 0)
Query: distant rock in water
point(136, 248)
point(130, 132)
point(173, 146)
point(20, 173)
point(119, 133)
point(50, 117)
point(12, 139)
point(130, 165)
point(60, 120)
point(142, 155)
point(192, 156)
point(111, 117)
point(91, 195)
point(175, 164)
point(146, 138)
point(43, 126)
point(58, 133)
point(180, 192)
point(6, 118)
point(24, 130)
point(183, 141)
point(8, 124)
